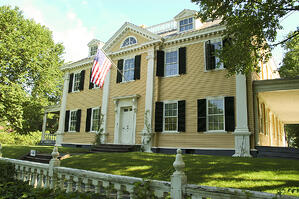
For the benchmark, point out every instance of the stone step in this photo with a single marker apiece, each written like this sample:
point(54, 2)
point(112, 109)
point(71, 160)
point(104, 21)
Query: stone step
point(115, 148)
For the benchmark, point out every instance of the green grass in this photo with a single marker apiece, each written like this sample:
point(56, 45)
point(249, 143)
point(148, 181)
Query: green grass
point(12, 151)
point(259, 174)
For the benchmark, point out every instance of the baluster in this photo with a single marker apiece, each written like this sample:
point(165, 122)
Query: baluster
point(69, 182)
point(27, 175)
point(95, 183)
point(77, 180)
point(53, 181)
point(46, 174)
point(86, 185)
point(60, 181)
point(22, 176)
point(39, 178)
point(106, 186)
point(118, 190)
point(130, 189)
point(17, 169)
point(34, 177)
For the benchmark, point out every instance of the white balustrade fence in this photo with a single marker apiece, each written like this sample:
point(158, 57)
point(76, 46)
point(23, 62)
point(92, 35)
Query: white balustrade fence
point(53, 176)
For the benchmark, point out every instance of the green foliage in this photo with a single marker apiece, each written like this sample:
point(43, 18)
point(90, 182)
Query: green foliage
point(31, 138)
point(249, 24)
point(7, 171)
point(292, 131)
point(142, 190)
point(30, 77)
point(290, 65)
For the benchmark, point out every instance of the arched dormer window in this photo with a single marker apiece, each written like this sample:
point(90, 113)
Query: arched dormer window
point(129, 41)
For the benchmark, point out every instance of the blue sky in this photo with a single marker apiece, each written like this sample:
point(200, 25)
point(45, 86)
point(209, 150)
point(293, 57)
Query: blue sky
point(76, 22)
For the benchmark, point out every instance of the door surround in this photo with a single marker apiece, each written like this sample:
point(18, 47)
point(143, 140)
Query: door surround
point(121, 102)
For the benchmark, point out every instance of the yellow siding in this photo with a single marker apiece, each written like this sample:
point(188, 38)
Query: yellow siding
point(195, 84)
point(88, 98)
point(117, 46)
point(136, 87)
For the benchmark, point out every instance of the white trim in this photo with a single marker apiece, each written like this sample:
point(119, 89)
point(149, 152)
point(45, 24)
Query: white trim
point(168, 50)
point(73, 83)
point(121, 45)
point(123, 71)
point(105, 99)
point(70, 119)
point(177, 116)
point(193, 24)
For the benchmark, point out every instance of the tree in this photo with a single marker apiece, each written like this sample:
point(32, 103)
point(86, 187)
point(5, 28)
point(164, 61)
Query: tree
point(292, 132)
point(250, 25)
point(29, 77)
point(290, 62)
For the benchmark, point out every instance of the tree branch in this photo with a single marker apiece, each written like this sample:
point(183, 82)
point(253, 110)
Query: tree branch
point(290, 37)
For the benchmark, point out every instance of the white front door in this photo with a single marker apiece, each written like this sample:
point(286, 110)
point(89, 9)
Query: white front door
point(126, 127)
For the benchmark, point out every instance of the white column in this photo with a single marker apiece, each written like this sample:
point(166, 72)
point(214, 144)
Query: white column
point(44, 126)
point(104, 108)
point(147, 132)
point(60, 131)
point(242, 134)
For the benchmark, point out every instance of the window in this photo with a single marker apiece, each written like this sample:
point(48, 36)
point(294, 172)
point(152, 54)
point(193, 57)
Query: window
point(93, 50)
point(95, 119)
point(128, 72)
point(73, 121)
point(186, 24)
point(215, 114)
point(171, 63)
point(129, 41)
point(170, 116)
point(76, 83)
point(213, 61)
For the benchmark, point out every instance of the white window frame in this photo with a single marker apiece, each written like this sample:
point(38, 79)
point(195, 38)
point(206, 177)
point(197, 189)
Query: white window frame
point(177, 117)
point(93, 50)
point(70, 120)
point(193, 24)
point(123, 71)
point(207, 114)
point(177, 63)
point(216, 40)
point(74, 78)
point(124, 46)
point(91, 119)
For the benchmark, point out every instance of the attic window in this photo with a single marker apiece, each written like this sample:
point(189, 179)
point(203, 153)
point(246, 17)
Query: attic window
point(129, 41)
point(186, 24)
point(93, 50)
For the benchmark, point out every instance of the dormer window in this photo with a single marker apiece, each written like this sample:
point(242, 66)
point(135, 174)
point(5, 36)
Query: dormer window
point(186, 24)
point(129, 41)
point(93, 50)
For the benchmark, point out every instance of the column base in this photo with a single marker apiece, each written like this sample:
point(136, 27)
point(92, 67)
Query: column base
point(146, 141)
point(242, 143)
point(59, 138)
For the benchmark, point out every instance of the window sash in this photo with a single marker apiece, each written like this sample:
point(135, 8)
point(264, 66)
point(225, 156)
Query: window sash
point(93, 50)
point(76, 83)
point(95, 118)
point(171, 63)
point(129, 41)
point(215, 115)
point(170, 117)
point(128, 70)
point(186, 24)
point(73, 121)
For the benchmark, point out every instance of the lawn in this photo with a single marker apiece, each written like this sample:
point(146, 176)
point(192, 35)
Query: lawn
point(259, 174)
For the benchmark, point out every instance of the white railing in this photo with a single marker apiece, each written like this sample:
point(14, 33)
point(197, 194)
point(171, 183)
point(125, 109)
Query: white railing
point(163, 27)
point(48, 138)
point(53, 176)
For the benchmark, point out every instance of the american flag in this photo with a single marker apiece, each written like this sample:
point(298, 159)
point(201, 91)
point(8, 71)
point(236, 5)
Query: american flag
point(100, 68)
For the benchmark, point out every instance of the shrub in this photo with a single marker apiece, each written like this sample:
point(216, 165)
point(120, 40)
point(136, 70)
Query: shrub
point(17, 139)
point(7, 171)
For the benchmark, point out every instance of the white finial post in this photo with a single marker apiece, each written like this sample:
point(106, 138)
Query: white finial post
point(178, 178)
point(54, 162)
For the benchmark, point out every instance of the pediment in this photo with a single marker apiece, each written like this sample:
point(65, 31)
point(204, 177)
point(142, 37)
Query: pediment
point(185, 14)
point(129, 30)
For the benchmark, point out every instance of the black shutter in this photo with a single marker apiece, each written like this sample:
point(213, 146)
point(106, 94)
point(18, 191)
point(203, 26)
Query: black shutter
point(210, 55)
point(226, 42)
point(71, 82)
point(160, 63)
point(91, 85)
point(120, 64)
point(78, 120)
point(229, 107)
point(82, 77)
point(159, 117)
point(182, 116)
point(88, 120)
point(137, 67)
point(66, 121)
point(182, 60)
point(201, 115)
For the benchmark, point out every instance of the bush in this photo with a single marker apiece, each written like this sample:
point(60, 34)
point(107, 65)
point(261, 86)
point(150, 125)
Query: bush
point(17, 139)
point(7, 171)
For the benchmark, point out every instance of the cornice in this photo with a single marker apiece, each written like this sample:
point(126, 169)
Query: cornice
point(77, 64)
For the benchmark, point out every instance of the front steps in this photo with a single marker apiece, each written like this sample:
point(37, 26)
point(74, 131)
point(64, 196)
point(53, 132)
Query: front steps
point(41, 158)
point(115, 148)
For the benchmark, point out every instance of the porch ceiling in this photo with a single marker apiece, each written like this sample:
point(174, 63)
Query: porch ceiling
point(284, 103)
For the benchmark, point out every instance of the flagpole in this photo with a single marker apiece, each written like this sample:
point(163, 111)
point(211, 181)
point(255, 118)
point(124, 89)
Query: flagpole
point(113, 64)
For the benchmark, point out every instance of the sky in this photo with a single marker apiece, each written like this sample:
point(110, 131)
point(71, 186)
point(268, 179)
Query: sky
point(76, 22)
